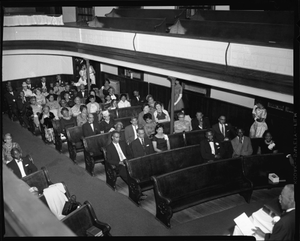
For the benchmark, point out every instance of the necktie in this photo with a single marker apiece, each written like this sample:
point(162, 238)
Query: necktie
point(143, 143)
point(120, 153)
point(223, 130)
point(241, 141)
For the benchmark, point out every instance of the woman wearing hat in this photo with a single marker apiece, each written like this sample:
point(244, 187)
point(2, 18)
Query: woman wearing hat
point(107, 124)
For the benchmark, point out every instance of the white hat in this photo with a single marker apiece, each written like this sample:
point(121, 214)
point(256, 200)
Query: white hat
point(105, 113)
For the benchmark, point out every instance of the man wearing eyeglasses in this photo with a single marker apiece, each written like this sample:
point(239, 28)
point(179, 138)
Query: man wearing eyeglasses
point(284, 229)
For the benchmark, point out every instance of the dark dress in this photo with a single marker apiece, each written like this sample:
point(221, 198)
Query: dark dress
point(161, 143)
point(161, 116)
point(264, 147)
point(47, 120)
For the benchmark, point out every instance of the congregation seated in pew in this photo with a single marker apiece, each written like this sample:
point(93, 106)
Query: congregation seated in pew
point(150, 125)
point(241, 144)
point(131, 130)
point(107, 124)
point(211, 149)
point(123, 103)
point(160, 115)
point(91, 127)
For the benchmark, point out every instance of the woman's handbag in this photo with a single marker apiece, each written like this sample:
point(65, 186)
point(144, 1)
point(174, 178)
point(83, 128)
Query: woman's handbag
point(70, 205)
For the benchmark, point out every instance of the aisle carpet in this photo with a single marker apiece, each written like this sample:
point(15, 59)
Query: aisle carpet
point(124, 217)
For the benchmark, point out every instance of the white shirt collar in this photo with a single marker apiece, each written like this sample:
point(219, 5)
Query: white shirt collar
point(290, 209)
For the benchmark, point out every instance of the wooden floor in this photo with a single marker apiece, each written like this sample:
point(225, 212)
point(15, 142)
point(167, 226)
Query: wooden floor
point(188, 214)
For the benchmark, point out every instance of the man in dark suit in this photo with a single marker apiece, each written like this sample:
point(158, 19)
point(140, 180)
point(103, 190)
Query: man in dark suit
point(137, 99)
point(21, 166)
point(284, 229)
point(11, 98)
point(116, 153)
point(210, 149)
point(22, 104)
point(82, 93)
point(91, 127)
point(30, 85)
point(131, 130)
point(43, 84)
point(142, 145)
point(224, 133)
point(200, 122)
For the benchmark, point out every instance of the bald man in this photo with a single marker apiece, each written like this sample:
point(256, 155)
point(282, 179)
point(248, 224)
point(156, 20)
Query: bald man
point(284, 229)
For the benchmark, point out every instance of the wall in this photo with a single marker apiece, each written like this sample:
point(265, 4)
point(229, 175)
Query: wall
point(69, 14)
point(222, 7)
point(27, 66)
point(111, 69)
point(159, 7)
point(101, 11)
point(232, 98)
point(157, 79)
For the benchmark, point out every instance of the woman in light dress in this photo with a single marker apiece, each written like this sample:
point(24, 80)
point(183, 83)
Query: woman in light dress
point(259, 126)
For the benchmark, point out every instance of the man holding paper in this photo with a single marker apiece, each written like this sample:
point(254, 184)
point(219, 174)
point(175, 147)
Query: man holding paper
point(284, 229)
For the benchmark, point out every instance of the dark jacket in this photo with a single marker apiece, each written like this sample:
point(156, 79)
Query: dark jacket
point(87, 129)
point(28, 166)
point(112, 154)
point(229, 132)
point(206, 150)
point(138, 150)
point(195, 124)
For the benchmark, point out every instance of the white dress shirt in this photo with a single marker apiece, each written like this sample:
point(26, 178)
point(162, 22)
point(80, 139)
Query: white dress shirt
point(20, 165)
point(120, 152)
point(212, 146)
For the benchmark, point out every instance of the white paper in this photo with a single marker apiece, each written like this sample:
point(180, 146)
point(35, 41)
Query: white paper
point(244, 224)
point(262, 220)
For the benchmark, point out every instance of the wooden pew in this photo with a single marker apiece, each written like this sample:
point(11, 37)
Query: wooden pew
point(92, 151)
point(258, 167)
point(177, 140)
point(83, 218)
point(270, 17)
point(194, 137)
point(132, 24)
point(129, 111)
point(141, 169)
point(74, 139)
point(181, 189)
point(244, 33)
point(39, 179)
point(170, 14)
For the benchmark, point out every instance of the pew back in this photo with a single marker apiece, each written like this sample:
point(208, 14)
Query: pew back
point(129, 111)
point(219, 174)
point(258, 167)
point(39, 179)
point(194, 137)
point(74, 135)
point(143, 168)
point(80, 220)
point(177, 140)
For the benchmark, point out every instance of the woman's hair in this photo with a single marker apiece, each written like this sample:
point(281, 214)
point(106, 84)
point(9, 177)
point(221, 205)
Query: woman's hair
point(37, 89)
point(180, 113)
point(7, 134)
point(112, 102)
point(63, 109)
point(147, 116)
point(46, 106)
point(92, 91)
point(266, 132)
point(119, 123)
point(145, 104)
point(157, 103)
point(82, 107)
point(92, 96)
point(149, 96)
point(107, 80)
point(158, 126)
point(32, 98)
point(123, 95)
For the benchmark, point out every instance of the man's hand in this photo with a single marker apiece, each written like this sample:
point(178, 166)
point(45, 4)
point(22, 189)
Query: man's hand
point(259, 232)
